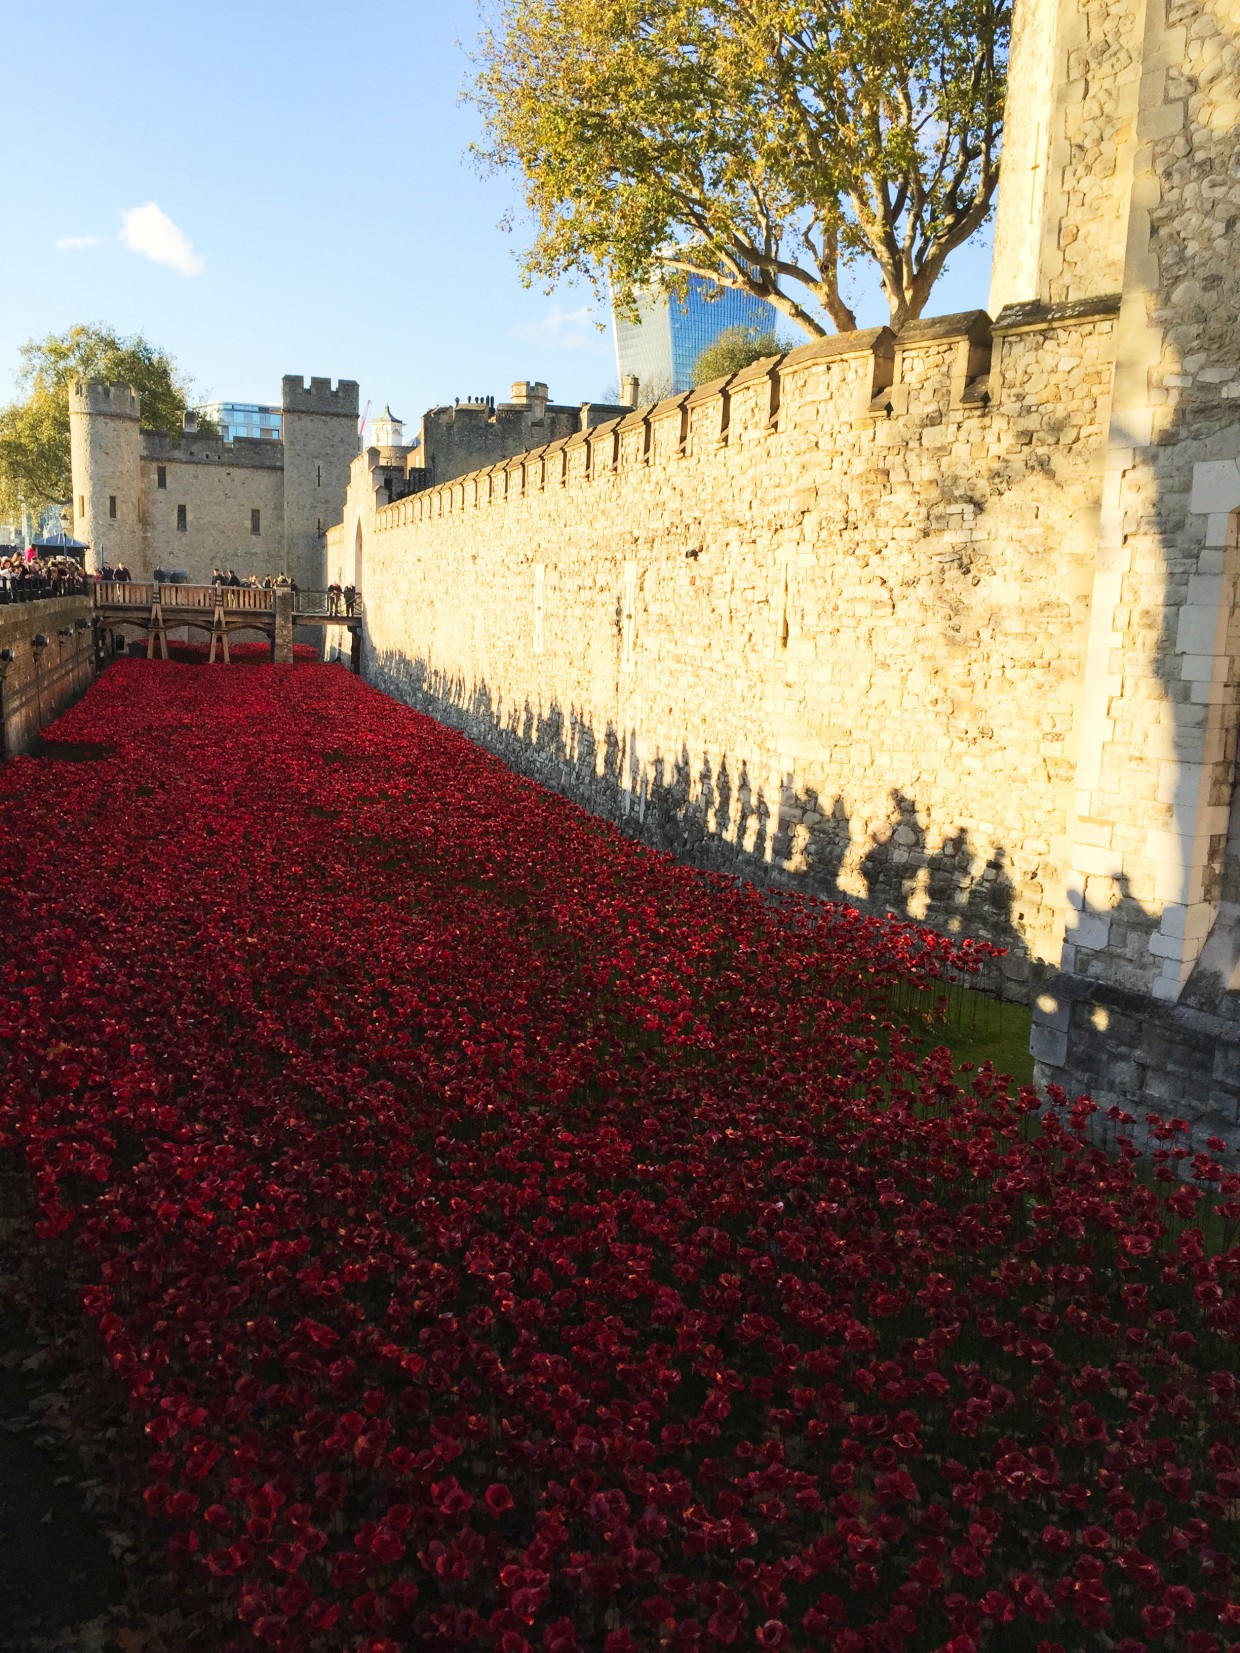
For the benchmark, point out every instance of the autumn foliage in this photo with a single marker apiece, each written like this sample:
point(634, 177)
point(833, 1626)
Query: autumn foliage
point(510, 1239)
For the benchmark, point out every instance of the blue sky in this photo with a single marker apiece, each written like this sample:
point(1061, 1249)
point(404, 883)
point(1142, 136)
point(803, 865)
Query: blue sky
point(301, 168)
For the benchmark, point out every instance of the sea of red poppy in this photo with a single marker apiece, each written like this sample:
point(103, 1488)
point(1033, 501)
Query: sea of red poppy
point(511, 1239)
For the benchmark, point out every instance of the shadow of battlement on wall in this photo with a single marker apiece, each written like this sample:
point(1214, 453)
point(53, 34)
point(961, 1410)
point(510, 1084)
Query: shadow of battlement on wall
point(709, 812)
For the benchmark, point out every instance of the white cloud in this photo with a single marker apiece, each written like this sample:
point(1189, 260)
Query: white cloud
point(566, 329)
point(75, 243)
point(152, 233)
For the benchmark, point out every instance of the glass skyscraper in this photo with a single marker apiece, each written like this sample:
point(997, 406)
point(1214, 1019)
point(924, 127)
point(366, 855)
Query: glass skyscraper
point(661, 346)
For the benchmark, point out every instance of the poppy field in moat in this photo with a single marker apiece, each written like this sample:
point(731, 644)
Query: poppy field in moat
point(509, 1239)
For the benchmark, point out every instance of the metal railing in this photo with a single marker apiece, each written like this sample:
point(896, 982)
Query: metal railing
point(37, 588)
point(332, 606)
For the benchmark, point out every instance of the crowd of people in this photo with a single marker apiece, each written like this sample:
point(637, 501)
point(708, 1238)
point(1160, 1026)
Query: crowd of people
point(229, 576)
point(25, 580)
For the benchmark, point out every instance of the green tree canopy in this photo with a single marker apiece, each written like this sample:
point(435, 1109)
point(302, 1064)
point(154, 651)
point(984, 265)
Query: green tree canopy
point(763, 144)
point(34, 430)
point(734, 348)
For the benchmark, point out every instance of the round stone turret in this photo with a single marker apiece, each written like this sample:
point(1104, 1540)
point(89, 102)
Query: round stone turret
point(105, 445)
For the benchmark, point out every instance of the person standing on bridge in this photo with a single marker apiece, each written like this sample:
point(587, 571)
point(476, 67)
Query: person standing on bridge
point(333, 597)
point(350, 597)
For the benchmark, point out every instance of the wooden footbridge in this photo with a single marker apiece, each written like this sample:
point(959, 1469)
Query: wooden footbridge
point(224, 610)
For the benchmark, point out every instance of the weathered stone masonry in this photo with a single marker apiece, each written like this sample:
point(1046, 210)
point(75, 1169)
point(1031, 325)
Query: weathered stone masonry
point(47, 659)
point(974, 659)
point(826, 621)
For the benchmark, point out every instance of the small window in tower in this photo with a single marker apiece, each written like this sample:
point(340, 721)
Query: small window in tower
point(161, 476)
point(318, 525)
point(255, 523)
point(318, 476)
point(81, 505)
point(182, 519)
point(112, 505)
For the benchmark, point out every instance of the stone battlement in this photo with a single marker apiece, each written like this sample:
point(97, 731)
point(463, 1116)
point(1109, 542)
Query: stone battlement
point(319, 396)
point(904, 388)
point(104, 400)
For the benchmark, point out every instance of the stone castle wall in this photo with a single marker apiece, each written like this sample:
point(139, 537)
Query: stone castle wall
point(824, 622)
point(473, 435)
point(297, 485)
point(38, 682)
point(219, 483)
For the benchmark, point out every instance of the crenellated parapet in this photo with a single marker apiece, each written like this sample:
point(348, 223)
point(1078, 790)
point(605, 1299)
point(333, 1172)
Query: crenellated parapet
point(104, 401)
point(319, 396)
point(870, 388)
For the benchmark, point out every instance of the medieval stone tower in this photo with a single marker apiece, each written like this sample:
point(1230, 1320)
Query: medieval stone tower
point(1122, 181)
point(105, 442)
point(195, 501)
point(320, 441)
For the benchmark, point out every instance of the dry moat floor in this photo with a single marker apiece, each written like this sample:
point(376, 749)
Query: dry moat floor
point(430, 1219)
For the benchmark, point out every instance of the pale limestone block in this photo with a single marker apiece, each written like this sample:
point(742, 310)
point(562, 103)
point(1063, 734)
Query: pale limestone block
point(1216, 486)
point(1211, 692)
point(1177, 880)
point(1197, 629)
point(1087, 859)
point(1193, 922)
point(1088, 832)
point(1174, 847)
point(1203, 668)
point(1049, 1045)
point(1174, 947)
point(1180, 783)
point(1089, 930)
point(1205, 590)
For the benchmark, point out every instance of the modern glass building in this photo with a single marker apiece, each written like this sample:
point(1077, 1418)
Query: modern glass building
point(243, 419)
point(661, 346)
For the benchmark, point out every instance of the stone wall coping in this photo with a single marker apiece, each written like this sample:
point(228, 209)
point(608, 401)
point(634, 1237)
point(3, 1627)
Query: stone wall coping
point(1034, 316)
point(974, 325)
point(670, 405)
point(708, 391)
point(880, 345)
point(761, 369)
point(867, 341)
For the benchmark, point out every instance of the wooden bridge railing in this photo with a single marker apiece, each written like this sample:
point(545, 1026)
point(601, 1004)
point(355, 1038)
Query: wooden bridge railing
point(139, 594)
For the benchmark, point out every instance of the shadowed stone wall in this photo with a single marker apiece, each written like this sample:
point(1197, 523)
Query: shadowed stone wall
point(40, 680)
point(822, 623)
